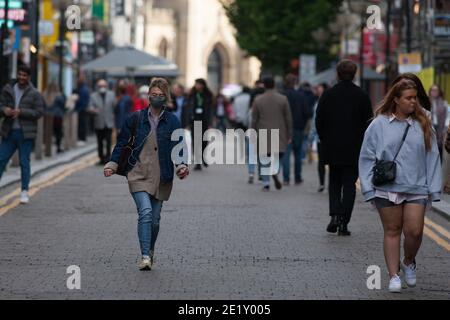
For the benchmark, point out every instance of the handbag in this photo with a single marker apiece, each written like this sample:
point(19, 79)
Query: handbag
point(125, 154)
point(385, 171)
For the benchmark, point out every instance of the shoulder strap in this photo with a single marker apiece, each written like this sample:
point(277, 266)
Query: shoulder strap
point(133, 129)
point(135, 123)
point(403, 140)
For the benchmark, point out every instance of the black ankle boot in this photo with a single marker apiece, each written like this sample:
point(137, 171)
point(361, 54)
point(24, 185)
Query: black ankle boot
point(333, 225)
point(342, 229)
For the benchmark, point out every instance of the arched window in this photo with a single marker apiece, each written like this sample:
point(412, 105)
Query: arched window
point(215, 70)
point(163, 49)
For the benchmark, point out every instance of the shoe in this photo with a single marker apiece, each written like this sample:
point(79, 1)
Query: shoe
point(250, 179)
point(410, 273)
point(145, 264)
point(101, 163)
point(395, 284)
point(277, 182)
point(298, 181)
point(81, 143)
point(342, 229)
point(333, 225)
point(24, 198)
point(198, 167)
point(286, 183)
point(265, 188)
point(321, 189)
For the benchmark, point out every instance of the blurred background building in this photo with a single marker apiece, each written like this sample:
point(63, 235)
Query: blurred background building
point(195, 34)
point(197, 37)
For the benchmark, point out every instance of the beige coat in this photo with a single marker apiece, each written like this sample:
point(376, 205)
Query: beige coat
point(145, 175)
point(271, 110)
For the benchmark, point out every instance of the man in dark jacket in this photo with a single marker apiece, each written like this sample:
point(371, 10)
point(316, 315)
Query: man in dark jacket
point(21, 105)
point(342, 117)
point(179, 105)
point(301, 113)
point(81, 108)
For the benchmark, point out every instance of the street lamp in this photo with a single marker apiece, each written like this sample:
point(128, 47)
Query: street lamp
point(360, 8)
point(4, 72)
point(62, 6)
point(387, 58)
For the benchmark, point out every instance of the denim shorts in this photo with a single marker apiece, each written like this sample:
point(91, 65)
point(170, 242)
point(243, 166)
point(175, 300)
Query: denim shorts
point(381, 203)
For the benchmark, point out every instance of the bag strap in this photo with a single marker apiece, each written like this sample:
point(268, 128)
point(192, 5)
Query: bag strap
point(403, 140)
point(133, 129)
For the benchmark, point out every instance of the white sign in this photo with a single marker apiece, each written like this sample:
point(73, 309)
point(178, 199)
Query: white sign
point(87, 37)
point(352, 47)
point(307, 67)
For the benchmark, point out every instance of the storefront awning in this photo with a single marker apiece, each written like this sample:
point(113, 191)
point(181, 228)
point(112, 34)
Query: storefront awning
point(128, 61)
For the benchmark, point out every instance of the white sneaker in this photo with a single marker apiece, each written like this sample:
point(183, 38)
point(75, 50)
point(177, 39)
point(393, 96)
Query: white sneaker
point(395, 284)
point(145, 264)
point(410, 273)
point(24, 198)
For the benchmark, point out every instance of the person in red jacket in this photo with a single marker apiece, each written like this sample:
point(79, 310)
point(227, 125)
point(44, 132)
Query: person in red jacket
point(141, 101)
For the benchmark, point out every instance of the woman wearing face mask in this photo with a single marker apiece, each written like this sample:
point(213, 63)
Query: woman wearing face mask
point(151, 167)
point(200, 105)
point(401, 203)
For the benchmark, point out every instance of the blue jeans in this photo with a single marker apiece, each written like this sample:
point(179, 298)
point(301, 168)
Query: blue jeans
point(268, 167)
point(9, 145)
point(250, 156)
point(296, 146)
point(149, 214)
point(304, 149)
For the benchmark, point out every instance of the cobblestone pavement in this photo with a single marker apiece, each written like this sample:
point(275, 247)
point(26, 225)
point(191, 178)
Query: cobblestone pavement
point(220, 239)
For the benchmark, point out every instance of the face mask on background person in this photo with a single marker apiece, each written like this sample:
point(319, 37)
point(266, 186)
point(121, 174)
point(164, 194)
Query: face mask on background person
point(102, 89)
point(157, 102)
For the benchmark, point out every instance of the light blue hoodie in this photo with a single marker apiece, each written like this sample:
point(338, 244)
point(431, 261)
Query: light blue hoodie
point(418, 170)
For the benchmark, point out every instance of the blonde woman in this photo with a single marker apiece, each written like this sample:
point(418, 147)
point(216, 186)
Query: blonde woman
point(150, 167)
point(401, 203)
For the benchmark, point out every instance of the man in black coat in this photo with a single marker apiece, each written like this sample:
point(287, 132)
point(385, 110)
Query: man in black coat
point(343, 115)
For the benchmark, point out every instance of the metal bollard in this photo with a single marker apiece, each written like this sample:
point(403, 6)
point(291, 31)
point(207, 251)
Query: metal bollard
point(38, 146)
point(48, 134)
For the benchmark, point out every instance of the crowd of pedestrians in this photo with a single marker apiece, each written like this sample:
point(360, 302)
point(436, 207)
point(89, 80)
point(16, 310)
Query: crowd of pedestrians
point(394, 148)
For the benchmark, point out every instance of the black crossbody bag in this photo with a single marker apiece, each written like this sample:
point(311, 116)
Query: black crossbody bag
point(385, 171)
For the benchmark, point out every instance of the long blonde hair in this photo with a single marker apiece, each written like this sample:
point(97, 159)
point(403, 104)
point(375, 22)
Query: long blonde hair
point(388, 107)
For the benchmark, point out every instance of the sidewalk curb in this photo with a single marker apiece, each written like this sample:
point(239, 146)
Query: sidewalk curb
point(88, 150)
point(441, 212)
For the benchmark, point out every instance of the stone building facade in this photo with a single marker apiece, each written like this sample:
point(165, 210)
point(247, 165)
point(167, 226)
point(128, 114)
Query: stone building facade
point(195, 34)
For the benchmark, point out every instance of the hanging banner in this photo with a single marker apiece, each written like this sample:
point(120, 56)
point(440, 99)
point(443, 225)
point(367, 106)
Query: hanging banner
point(98, 9)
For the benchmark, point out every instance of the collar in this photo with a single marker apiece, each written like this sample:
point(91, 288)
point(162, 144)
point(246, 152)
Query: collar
point(150, 114)
point(393, 117)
